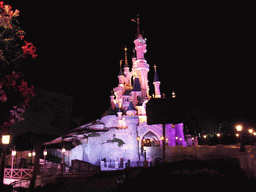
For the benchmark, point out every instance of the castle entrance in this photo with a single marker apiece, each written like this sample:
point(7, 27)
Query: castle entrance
point(150, 146)
point(150, 140)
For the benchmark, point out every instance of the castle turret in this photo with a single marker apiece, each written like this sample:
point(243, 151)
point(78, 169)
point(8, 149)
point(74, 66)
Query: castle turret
point(136, 92)
point(112, 100)
point(180, 134)
point(119, 114)
point(140, 47)
point(126, 97)
point(157, 85)
point(131, 111)
point(132, 120)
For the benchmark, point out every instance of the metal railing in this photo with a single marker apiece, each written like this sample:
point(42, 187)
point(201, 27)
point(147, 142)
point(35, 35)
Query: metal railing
point(115, 165)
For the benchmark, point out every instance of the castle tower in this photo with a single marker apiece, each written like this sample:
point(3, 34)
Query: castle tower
point(140, 66)
point(133, 58)
point(119, 114)
point(132, 120)
point(180, 134)
point(112, 100)
point(157, 85)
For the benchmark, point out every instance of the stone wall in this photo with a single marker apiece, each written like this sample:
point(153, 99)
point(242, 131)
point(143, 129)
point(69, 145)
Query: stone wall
point(111, 145)
point(107, 146)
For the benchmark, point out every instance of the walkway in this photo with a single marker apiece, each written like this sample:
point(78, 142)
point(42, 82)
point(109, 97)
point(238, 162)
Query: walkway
point(247, 160)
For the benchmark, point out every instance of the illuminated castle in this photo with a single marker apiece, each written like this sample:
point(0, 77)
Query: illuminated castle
point(123, 130)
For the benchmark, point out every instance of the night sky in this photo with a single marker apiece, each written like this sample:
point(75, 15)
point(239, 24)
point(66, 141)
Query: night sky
point(203, 52)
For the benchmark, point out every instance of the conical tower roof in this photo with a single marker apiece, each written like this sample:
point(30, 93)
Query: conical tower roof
point(131, 107)
point(156, 76)
point(121, 71)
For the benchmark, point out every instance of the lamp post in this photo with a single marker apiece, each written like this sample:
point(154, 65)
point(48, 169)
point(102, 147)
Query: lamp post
point(251, 131)
point(63, 150)
point(45, 153)
point(33, 154)
point(138, 141)
point(204, 140)
point(239, 128)
point(218, 137)
point(13, 155)
point(163, 153)
point(30, 159)
point(5, 142)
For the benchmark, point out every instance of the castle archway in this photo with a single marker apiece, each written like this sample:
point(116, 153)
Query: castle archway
point(150, 140)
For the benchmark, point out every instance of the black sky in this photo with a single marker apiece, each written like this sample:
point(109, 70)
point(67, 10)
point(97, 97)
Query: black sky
point(203, 52)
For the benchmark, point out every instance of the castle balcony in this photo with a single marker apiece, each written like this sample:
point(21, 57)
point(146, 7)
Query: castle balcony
point(141, 63)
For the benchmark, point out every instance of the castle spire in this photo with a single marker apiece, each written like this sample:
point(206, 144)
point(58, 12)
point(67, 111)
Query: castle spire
point(157, 85)
point(125, 58)
point(121, 71)
point(138, 25)
point(121, 75)
point(156, 76)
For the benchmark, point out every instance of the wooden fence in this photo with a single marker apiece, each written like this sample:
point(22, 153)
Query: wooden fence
point(17, 173)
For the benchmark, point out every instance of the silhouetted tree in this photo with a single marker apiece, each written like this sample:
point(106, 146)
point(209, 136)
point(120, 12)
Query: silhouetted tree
point(15, 93)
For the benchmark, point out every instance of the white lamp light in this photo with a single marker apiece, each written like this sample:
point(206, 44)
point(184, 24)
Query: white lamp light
point(250, 130)
point(239, 127)
point(5, 139)
point(13, 152)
